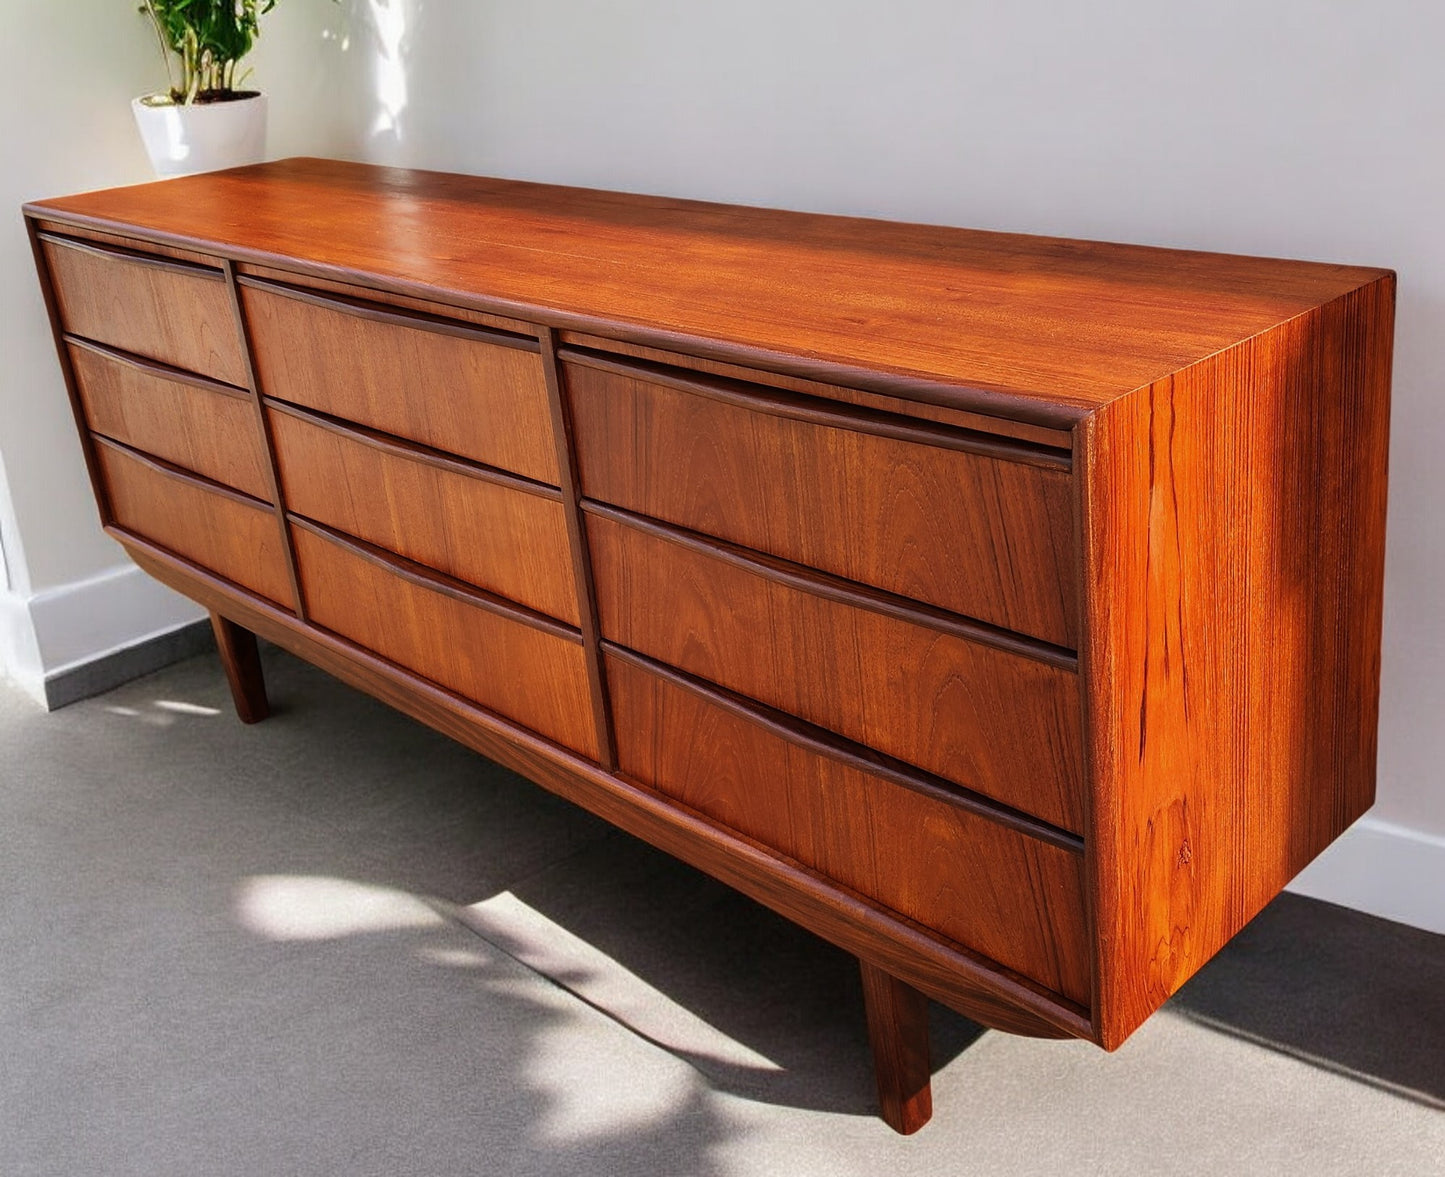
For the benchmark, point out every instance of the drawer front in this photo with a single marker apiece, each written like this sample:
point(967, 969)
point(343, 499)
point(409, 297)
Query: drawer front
point(206, 427)
point(508, 540)
point(987, 537)
point(176, 312)
point(1000, 723)
point(1014, 898)
point(232, 536)
point(444, 386)
point(534, 676)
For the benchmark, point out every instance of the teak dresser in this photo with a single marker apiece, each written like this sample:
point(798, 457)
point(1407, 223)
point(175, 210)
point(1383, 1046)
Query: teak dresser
point(1004, 609)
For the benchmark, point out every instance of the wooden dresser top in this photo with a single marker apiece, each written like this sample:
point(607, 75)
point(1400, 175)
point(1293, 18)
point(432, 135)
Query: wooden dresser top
point(1038, 328)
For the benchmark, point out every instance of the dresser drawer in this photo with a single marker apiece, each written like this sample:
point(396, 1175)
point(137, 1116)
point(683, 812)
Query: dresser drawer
point(227, 533)
point(502, 533)
point(161, 308)
point(526, 668)
point(977, 526)
point(459, 388)
point(1004, 722)
point(1013, 897)
point(200, 424)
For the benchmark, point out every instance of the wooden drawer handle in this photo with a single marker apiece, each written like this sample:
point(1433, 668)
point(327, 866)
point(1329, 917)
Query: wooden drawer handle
point(439, 582)
point(394, 316)
point(414, 450)
point(121, 253)
point(845, 592)
point(856, 756)
point(170, 470)
point(817, 411)
point(157, 369)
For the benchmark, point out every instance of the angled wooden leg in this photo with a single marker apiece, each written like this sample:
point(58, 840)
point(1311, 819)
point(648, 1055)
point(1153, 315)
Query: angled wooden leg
point(242, 662)
point(898, 1031)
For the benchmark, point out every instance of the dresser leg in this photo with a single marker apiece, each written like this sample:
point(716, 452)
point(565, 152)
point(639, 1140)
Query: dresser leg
point(242, 662)
point(898, 1031)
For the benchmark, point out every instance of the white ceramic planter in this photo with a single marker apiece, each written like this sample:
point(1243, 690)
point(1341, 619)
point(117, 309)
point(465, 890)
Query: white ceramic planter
point(202, 138)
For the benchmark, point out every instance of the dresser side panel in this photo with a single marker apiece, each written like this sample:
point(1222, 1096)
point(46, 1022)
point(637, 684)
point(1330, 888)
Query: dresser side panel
point(1233, 530)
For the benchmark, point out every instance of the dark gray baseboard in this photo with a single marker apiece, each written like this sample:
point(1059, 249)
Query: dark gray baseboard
point(110, 670)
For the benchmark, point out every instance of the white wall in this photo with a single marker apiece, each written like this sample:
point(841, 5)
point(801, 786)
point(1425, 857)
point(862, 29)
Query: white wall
point(1288, 127)
point(67, 73)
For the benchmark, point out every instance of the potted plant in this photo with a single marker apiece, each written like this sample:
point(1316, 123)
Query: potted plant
point(203, 121)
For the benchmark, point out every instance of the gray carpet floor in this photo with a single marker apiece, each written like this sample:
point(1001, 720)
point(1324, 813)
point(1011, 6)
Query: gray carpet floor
point(336, 943)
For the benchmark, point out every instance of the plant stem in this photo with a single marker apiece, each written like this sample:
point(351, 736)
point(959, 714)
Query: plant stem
point(150, 9)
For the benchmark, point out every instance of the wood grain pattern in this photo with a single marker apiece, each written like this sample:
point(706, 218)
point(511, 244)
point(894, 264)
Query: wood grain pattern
point(219, 529)
point(869, 761)
point(1234, 527)
point(296, 278)
point(947, 972)
point(67, 372)
point(496, 532)
point(875, 507)
point(241, 660)
point(162, 309)
point(480, 400)
point(1000, 724)
point(1002, 426)
point(204, 426)
point(1012, 898)
point(122, 241)
point(533, 677)
point(898, 1033)
point(1039, 329)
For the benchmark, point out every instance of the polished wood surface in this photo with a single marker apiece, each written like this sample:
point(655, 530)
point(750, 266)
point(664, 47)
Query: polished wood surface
point(482, 526)
point(1062, 439)
point(241, 661)
point(517, 669)
point(999, 723)
point(1004, 609)
point(217, 528)
point(898, 1033)
point(1038, 329)
point(733, 468)
point(124, 241)
point(1234, 536)
point(459, 393)
point(350, 290)
point(194, 422)
point(1014, 899)
point(163, 309)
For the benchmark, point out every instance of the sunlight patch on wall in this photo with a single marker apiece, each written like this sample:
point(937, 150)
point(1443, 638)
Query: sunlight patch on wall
point(389, 19)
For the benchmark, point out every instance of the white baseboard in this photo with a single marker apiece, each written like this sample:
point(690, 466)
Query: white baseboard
point(1384, 869)
point(57, 631)
point(19, 654)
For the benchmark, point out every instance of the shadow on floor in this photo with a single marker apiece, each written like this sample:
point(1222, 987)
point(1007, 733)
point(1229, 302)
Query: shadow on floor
point(1337, 988)
point(415, 815)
